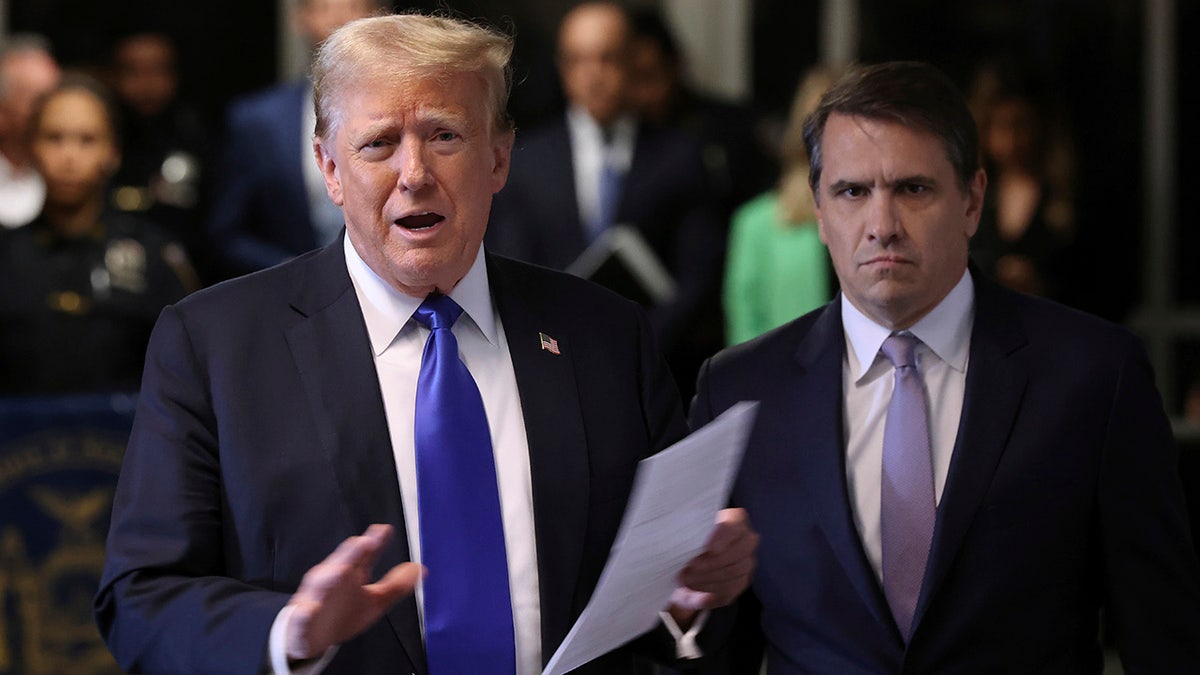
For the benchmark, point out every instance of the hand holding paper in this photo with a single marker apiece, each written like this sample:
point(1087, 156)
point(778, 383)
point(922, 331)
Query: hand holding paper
point(666, 538)
point(718, 575)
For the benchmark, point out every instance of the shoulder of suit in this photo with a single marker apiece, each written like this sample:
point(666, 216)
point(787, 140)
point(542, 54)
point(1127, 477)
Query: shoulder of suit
point(782, 342)
point(257, 292)
point(1053, 326)
point(553, 286)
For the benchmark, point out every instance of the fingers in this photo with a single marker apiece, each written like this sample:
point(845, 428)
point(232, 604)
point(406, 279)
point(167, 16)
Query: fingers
point(725, 568)
point(361, 551)
point(334, 601)
point(397, 583)
point(732, 525)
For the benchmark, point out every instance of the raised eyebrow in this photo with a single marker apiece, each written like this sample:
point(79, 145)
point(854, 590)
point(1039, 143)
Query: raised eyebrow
point(840, 185)
point(373, 131)
point(443, 119)
point(916, 179)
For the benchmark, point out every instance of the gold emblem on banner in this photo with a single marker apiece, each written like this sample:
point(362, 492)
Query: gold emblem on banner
point(55, 495)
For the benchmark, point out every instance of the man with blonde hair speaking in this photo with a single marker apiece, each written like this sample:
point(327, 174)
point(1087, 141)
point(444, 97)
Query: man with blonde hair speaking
point(473, 414)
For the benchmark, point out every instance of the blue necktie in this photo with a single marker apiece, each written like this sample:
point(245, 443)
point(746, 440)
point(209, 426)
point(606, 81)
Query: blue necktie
point(907, 498)
point(468, 611)
point(611, 180)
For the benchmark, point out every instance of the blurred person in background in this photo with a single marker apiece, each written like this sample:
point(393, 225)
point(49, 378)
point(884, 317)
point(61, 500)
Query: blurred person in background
point(82, 284)
point(734, 157)
point(164, 153)
point(777, 268)
point(27, 70)
point(598, 166)
point(1028, 220)
point(269, 202)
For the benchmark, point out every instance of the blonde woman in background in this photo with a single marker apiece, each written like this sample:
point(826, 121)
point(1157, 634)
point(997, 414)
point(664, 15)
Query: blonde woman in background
point(777, 268)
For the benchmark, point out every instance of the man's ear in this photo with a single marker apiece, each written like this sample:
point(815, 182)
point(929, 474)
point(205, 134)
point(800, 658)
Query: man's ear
point(502, 146)
point(975, 193)
point(329, 169)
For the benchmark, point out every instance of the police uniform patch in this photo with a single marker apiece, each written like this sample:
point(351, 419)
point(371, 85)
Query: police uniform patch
point(125, 260)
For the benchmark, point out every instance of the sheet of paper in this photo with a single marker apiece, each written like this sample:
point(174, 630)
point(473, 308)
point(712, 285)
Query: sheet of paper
point(671, 511)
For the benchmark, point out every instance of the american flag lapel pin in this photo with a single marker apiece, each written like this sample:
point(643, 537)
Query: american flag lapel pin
point(549, 344)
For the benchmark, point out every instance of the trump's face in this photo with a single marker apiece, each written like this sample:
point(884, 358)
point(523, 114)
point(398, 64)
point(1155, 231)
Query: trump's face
point(414, 165)
point(895, 217)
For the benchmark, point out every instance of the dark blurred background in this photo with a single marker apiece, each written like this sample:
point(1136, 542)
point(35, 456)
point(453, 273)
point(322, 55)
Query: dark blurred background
point(1111, 74)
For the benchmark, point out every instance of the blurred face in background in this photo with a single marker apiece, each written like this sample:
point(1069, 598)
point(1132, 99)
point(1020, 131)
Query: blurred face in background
point(144, 74)
point(26, 76)
point(653, 80)
point(1011, 133)
point(74, 148)
point(593, 59)
point(317, 19)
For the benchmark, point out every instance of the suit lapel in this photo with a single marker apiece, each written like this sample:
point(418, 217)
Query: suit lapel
point(332, 353)
point(557, 446)
point(996, 378)
point(822, 455)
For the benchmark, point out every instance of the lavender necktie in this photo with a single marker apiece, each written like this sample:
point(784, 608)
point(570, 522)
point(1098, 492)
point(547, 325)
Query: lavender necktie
point(907, 498)
point(468, 611)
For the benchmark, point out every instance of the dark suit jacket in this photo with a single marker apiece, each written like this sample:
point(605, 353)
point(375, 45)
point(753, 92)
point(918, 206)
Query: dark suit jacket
point(1062, 498)
point(260, 214)
point(260, 443)
point(664, 195)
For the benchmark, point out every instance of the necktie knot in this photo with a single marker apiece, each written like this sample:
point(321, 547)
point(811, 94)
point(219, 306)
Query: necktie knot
point(901, 350)
point(438, 311)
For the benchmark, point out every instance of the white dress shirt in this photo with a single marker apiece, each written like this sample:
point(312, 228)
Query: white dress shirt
point(867, 381)
point(397, 343)
point(590, 153)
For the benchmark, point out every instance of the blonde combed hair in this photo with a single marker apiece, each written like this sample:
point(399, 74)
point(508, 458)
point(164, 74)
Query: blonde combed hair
point(409, 46)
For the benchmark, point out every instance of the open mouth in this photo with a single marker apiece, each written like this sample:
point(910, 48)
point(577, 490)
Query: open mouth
point(420, 221)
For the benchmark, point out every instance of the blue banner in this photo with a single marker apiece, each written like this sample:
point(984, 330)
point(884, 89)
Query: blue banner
point(59, 460)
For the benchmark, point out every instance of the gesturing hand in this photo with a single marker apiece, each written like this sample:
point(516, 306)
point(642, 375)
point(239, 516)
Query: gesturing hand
point(335, 603)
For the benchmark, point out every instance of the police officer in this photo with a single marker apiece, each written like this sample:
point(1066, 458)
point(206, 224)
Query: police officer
point(81, 286)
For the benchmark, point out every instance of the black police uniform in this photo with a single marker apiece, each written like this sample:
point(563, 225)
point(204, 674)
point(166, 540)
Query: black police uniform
point(76, 313)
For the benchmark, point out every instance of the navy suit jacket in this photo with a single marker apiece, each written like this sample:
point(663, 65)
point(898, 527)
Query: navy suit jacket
point(260, 214)
point(260, 443)
point(664, 195)
point(1062, 498)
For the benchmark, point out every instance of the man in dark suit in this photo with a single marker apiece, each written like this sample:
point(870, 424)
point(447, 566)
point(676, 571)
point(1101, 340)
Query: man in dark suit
point(269, 204)
point(557, 199)
point(1025, 461)
point(279, 412)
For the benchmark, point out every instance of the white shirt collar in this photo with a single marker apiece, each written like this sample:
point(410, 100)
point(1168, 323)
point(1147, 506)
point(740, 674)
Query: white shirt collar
point(586, 132)
point(946, 330)
point(386, 310)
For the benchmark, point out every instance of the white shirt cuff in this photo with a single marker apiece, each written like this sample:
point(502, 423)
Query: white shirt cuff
point(685, 643)
point(277, 646)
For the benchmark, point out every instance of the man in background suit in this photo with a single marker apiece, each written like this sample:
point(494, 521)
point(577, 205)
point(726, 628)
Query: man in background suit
point(278, 412)
point(270, 204)
point(1030, 472)
point(557, 200)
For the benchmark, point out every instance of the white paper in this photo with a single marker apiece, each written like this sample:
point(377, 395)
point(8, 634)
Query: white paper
point(671, 511)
